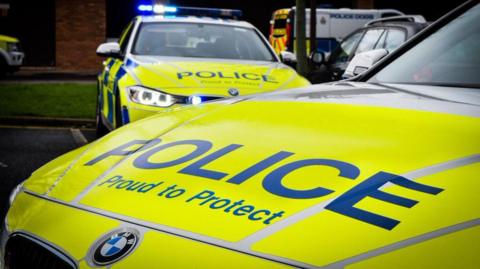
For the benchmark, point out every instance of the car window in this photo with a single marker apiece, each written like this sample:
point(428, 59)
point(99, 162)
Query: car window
point(369, 40)
point(201, 41)
point(344, 50)
point(395, 37)
point(125, 37)
point(381, 42)
point(448, 57)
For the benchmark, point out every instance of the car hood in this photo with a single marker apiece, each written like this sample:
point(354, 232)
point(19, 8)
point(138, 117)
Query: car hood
point(211, 76)
point(310, 177)
point(8, 39)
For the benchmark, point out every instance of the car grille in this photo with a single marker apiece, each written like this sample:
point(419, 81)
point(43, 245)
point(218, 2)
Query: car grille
point(23, 251)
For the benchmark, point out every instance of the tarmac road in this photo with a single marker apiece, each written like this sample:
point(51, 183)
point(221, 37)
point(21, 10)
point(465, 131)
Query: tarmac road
point(25, 149)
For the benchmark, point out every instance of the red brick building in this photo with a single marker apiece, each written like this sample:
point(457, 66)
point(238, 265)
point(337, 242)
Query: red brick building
point(80, 26)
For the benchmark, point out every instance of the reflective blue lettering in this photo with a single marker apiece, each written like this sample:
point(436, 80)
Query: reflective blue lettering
point(121, 150)
point(370, 187)
point(208, 74)
point(250, 76)
point(220, 75)
point(267, 78)
point(201, 146)
point(273, 181)
point(195, 168)
point(184, 74)
point(258, 167)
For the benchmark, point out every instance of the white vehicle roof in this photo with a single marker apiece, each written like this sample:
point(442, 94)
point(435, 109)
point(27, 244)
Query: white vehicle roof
point(354, 10)
point(192, 19)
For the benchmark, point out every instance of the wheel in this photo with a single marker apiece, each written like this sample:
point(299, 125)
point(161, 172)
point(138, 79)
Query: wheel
point(101, 129)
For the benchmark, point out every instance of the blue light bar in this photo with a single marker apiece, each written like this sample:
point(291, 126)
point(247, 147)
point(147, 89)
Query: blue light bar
point(145, 8)
point(157, 9)
point(210, 12)
point(191, 11)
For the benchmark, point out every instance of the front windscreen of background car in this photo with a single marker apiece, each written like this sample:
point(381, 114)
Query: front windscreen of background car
point(448, 57)
point(343, 52)
point(201, 41)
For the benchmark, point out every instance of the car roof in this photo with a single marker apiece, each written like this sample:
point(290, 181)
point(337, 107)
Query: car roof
point(193, 19)
point(411, 27)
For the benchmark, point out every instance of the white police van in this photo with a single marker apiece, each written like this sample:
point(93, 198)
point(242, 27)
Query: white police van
point(332, 25)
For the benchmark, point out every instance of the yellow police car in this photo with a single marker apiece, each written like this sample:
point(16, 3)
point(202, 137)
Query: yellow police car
point(377, 172)
point(166, 61)
point(11, 54)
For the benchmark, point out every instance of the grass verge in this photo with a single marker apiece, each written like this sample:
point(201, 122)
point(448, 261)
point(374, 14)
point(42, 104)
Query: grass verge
point(69, 100)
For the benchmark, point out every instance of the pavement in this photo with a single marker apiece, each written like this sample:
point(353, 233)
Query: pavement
point(23, 149)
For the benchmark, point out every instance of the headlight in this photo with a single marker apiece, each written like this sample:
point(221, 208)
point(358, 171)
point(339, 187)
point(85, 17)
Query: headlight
point(15, 192)
point(150, 97)
point(13, 47)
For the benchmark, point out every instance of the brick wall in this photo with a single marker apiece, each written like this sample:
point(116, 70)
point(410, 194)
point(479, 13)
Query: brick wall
point(80, 28)
point(367, 4)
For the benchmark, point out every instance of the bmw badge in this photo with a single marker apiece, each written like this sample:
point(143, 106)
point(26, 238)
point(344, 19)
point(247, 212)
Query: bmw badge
point(113, 246)
point(233, 91)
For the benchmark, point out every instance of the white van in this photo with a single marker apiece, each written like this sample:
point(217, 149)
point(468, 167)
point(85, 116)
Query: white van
point(332, 25)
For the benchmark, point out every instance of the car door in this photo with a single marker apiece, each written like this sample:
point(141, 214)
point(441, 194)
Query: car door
point(110, 90)
point(342, 54)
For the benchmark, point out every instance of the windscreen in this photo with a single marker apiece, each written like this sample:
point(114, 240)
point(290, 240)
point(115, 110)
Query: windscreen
point(448, 57)
point(201, 41)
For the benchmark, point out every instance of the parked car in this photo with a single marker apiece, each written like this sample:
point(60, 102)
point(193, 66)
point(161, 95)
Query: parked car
point(163, 62)
point(11, 54)
point(387, 33)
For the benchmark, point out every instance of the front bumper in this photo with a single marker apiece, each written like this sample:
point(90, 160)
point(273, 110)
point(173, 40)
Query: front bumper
point(15, 58)
point(74, 232)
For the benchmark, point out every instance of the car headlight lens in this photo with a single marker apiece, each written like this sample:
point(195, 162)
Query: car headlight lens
point(15, 192)
point(150, 97)
point(13, 47)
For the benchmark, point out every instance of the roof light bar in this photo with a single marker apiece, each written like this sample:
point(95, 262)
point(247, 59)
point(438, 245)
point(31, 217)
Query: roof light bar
point(191, 11)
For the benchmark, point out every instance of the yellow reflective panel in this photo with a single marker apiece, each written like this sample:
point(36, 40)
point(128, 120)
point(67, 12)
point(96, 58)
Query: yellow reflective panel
point(79, 176)
point(72, 230)
point(455, 250)
point(158, 250)
point(359, 135)
point(84, 265)
point(49, 173)
point(185, 78)
point(329, 237)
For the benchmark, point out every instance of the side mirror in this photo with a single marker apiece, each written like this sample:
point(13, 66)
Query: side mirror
point(288, 58)
point(110, 49)
point(317, 58)
point(364, 61)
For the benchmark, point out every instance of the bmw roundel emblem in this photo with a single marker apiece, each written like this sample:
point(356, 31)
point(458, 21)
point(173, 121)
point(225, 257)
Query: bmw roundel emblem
point(233, 91)
point(113, 246)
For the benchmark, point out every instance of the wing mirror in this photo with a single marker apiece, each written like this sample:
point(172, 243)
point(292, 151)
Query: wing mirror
point(288, 58)
point(364, 61)
point(317, 58)
point(110, 49)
